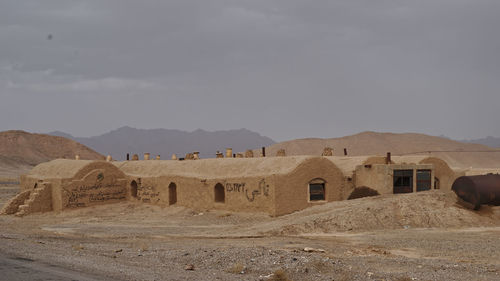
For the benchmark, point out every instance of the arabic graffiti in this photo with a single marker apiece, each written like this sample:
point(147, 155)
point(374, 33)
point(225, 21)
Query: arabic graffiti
point(250, 194)
point(85, 194)
point(148, 194)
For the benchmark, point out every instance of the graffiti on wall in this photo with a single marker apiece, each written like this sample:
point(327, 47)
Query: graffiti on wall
point(81, 193)
point(250, 193)
point(147, 194)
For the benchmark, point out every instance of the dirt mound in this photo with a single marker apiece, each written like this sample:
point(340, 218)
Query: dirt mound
point(457, 154)
point(361, 192)
point(430, 209)
point(19, 151)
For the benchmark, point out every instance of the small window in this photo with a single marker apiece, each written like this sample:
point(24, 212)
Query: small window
point(219, 193)
point(403, 181)
point(424, 180)
point(316, 191)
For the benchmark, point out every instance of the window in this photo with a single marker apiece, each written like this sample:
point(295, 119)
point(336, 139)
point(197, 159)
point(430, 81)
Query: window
point(317, 190)
point(219, 195)
point(424, 181)
point(403, 181)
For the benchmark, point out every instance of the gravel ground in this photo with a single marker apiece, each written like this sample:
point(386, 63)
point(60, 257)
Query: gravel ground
point(129, 241)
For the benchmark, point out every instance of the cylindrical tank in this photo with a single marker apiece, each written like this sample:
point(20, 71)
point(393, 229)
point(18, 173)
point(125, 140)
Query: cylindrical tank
point(477, 190)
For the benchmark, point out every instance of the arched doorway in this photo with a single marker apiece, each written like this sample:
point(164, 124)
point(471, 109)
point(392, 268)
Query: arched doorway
point(172, 194)
point(220, 196)
point(133, 189)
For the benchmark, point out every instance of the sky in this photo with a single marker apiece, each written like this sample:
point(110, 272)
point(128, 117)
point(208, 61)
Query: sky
point(284, 68)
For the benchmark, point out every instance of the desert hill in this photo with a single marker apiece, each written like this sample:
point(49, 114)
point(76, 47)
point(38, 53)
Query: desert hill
point(165, 142)
point(20, 151)
point(457, 154)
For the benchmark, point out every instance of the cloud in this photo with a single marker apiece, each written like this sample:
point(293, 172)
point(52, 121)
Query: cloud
point(330, 67)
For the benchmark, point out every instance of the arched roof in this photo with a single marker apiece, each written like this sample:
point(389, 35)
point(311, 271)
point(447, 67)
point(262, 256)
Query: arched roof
point(214, 168)
point(66, 169)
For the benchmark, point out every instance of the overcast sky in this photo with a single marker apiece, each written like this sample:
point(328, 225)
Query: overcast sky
point(284, 68)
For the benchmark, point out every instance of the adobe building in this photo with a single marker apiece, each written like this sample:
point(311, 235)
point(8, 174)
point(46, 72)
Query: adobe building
point(63, 184)
point(397, 174)
point(274, 185)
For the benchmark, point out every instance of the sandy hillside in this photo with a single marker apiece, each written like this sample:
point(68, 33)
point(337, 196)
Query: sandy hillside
point(20, 151)
point(430, 209)
point(371, 143)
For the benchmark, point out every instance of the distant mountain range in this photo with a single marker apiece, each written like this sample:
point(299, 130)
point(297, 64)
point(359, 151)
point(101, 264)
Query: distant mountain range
point(165, 142)
point(488, 141)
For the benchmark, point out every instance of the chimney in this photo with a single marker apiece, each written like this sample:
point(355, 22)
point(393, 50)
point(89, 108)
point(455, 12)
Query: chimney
point(229, 152)
point(146, 156)
point(327, 151)
point(388, 158)
point(345, 151)
point(281, 153)
point(249, 153)
point(128, 156)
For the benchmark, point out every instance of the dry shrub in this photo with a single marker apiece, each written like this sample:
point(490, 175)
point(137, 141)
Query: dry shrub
point(279, 275)
point(237, 268)
point(362, 191)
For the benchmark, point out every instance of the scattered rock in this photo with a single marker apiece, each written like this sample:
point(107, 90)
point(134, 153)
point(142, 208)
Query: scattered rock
point(310, 250)
point(189, 267)
point(265, 277)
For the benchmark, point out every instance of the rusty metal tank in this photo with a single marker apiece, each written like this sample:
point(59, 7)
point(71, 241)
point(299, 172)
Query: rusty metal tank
point(477, 190)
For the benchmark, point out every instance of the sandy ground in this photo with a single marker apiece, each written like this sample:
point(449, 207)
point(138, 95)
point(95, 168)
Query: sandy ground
point(424, 236)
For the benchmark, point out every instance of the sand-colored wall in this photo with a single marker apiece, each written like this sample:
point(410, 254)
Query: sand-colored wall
point(254, 194)
point(380, 177)
point(97, 187)
point(292, 190)
point(27, 183)
point(86, 183)
point(443, 172)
